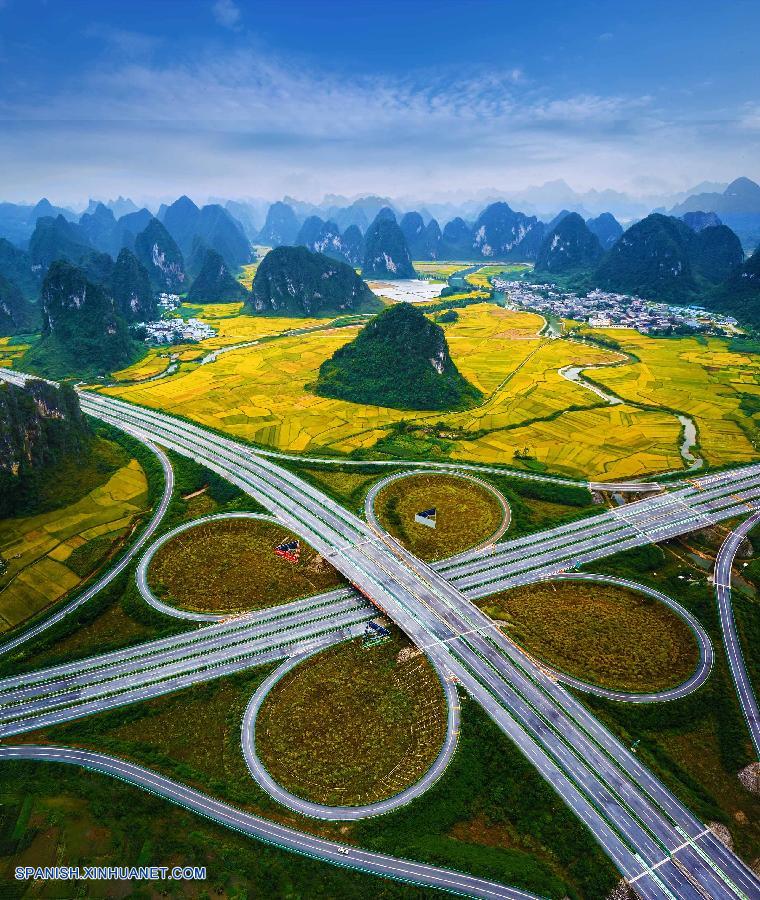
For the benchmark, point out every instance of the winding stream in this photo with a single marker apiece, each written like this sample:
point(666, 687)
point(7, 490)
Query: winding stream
point(574, 374)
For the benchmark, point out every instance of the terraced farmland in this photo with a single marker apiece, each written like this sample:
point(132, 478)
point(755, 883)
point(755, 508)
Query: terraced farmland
point(718, 388)
point(482, 277)
point(11, 350)
point(531, 415)
point(37, 549)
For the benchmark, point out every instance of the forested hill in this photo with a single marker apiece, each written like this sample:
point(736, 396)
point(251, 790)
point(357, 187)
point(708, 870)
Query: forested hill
point(294, 281)
point(401, 360)
point(40, 425)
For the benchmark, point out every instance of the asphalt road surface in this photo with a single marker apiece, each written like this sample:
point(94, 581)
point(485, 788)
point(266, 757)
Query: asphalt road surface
point(657, 844)
point(723, 564)
point(270, 832)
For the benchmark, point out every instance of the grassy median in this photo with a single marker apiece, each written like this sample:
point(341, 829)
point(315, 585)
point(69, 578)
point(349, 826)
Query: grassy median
point(229, 566)
point(353, 725)
point(602, 633)
point(467, 513)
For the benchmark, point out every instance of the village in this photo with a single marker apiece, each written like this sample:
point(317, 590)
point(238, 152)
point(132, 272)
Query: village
point(605, 309)
point(175, 330)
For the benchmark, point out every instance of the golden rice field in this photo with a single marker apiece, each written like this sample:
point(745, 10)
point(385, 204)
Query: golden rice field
point(35, 549)
point(702, 378)
point(247, 273)
point(11, 352)
point(436, 269)
point(482, 277)
point(261, 393)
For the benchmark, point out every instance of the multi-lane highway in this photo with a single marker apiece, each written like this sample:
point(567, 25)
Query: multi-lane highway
point(723, 565)
point(657, 844)
point(61, 693)
point(270, 832)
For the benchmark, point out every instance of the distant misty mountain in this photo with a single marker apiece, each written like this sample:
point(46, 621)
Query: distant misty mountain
point(250, 214)
point(211, 225)
point(121, 206)
point(501, 233)
point(55, 238)
point(158, 252)
point(698, 221)
point(386, 253)
point(281, 227)
point(661, 258)
point(425, 241)
point(738, 206)
point(324, 237)
point(607, 228)
point(569, 247)
point(18, 221)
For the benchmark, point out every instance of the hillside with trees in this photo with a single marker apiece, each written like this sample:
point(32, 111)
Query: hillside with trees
point(401, 360)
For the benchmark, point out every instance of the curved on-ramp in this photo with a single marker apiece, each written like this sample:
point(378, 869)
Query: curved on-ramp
point(123, 562)
point(698, 677)
point(723, 564)
point(141, 575)
point(706, 652)
point(270, 832)
point(343, 813)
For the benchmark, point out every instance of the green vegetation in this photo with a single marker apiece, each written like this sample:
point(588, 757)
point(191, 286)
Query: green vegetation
point(16, 313)
point(601, 633)
point(348, 484)
point(741, 291)
point(490, 813)
point(162, 258)
point(88, 518)
point(215, 283)
point(569, 246)
point(399, 360)
point(230, 566)
point(353, 725)
point(536, 505)
point(41, 428)
point(467, 513)
point(293, 281)
point(662, 259)
point(82, 334)
point(48, 809)
point(386, 254)
point(131, 289)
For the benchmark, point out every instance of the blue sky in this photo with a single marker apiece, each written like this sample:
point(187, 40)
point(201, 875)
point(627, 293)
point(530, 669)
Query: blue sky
point(429, 100)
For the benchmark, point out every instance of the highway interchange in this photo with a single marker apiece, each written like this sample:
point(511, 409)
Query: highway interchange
point(656, 843)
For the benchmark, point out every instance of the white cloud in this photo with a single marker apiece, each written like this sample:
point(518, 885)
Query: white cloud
point(240, 122)
point(130, 44)
point(751, 117)
point(226, 13)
